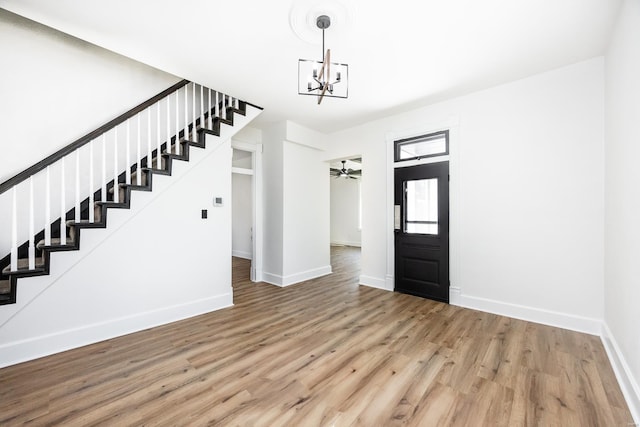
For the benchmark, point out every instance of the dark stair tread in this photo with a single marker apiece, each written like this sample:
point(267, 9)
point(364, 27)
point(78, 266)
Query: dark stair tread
point(122, 185)
point(105, 203)
point(55, 242)
point(156, 170)
point(5, 287)
point(23, 266)
point(160, 171)
point(110, 203)
point(132, 185)
point(85, 222)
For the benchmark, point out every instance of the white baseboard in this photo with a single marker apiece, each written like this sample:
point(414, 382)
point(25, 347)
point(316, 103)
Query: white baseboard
point(390, 282)
point(454, 295)
point(344, 243)
point(274, 279)
point(33, 348)
point(292, 279)
point(532, 314)
point(628, 384)
point(374, 282)
point(241, 254)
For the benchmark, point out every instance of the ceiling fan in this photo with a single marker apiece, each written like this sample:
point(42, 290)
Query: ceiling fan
point(344, 172)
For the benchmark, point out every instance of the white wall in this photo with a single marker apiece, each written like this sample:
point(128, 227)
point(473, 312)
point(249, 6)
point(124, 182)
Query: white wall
point(273, 187)
point(344, 211)
point(306, 213)
point(527, 194)
point(59, 88)
point(622, 204)
point(296, 201)
point(242, 211)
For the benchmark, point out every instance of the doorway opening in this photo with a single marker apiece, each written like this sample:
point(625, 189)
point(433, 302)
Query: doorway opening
point(246, 205)
point(242, 204)
point(345, 175)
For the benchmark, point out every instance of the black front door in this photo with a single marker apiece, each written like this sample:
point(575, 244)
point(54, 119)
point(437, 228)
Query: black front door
point(422, 230)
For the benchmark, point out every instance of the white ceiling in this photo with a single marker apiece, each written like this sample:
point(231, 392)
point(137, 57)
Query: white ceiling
point(401, 54)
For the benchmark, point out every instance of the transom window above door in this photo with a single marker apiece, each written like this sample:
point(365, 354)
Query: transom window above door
point(419, 147)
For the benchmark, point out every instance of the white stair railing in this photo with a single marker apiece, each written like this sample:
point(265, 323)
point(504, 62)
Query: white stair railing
point(36, 195)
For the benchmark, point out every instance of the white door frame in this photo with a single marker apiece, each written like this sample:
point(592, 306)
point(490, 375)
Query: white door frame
point(257, 211)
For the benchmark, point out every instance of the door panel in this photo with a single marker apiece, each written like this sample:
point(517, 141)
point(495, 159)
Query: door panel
point(422, 230)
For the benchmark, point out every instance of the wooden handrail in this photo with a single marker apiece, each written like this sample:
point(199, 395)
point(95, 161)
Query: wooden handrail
point(42, 164)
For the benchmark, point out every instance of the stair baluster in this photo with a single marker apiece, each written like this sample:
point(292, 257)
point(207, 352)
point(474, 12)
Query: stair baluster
point(14, 229)
point(216, 104)
point(63, 216)
point(177, 122)
point(32, 246)
point(91, 183)
point(103, 182)
point(168, 147)
point(159, 137)
point(186, 114)
point(193, 116)
point(116, 193)
point(138, 153)
point(127, 169)
point(201, 107)
point(77, 212)
point(47, 208)
point(209, 119)
point(149, 155)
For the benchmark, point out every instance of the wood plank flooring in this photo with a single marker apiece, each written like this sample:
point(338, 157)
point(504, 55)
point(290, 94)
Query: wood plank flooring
point(325, 352)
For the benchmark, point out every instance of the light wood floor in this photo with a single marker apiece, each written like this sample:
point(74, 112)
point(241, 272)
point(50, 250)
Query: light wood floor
point(325, 352)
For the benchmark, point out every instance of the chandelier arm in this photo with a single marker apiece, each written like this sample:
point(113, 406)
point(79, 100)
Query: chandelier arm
point(324, 90)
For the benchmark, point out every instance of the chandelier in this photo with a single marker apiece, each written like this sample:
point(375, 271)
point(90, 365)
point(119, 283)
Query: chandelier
point(323, 78)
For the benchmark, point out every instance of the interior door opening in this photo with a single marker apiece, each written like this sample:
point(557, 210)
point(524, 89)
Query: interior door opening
point(345, 185)
point(242, 204)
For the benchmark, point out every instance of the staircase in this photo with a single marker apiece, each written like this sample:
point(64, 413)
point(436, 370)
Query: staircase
point(158, 132)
